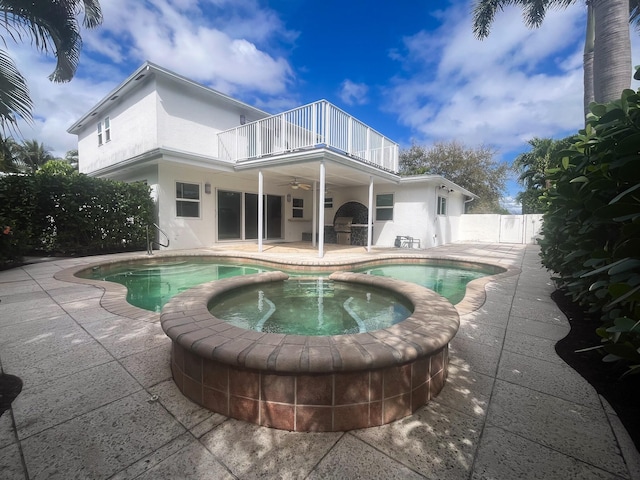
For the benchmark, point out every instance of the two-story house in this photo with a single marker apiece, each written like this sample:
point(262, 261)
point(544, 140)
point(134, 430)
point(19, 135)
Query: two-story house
point(221, 170)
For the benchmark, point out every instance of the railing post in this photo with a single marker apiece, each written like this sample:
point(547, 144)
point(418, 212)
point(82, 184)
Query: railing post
point(327, 124)
point(317, 130)
point(283, 135)
point(396, 162)
point(367, 155)
point(350, 135)
point(258, 140)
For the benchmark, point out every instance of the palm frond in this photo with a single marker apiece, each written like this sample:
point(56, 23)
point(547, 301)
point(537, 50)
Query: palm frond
point(533, 12)
point(634, 14)
point(14, 95)
point(92, 14)
point(484, 13)
point(52, 27)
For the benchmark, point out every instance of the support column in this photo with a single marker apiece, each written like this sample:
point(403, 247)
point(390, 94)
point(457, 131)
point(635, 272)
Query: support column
point(260, 208)
point(321, 213)
point(314, 219)
point(370, 215)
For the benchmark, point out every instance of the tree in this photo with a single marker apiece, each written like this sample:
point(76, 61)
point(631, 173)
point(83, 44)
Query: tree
point(607, 57)
point(8, 160)
point(532, 167)
point(52, 27)
point(71, 157)
point(32, 155)
point(472, 168)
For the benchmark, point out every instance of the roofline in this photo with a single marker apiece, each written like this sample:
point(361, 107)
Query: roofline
point(437, 179)
point(138, 74)
point(163, 152)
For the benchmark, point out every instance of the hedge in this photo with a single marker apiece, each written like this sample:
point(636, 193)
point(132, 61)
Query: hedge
point(592, 228)
point(57, 211)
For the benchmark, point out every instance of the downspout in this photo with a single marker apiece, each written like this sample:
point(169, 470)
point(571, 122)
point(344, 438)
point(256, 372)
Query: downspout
point(471, 199)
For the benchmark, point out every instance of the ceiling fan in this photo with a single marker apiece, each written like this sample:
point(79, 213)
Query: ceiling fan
point(295, 185)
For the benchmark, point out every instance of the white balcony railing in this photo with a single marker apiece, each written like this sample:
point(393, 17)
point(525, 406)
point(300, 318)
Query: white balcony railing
point(317, 125)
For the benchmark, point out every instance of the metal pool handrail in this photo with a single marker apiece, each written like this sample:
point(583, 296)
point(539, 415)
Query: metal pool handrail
point(150, 242)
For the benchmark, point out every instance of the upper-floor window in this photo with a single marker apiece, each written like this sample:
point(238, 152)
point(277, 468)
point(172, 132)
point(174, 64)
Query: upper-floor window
point(384, 207)
point(298, 208)
point(328, 202)
point(442, 205)
point(104, 131)
point(187, 199)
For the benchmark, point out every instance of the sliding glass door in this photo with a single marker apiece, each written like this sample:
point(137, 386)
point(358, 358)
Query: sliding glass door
point(229, 215)
point(232, 214)
point(274, 216)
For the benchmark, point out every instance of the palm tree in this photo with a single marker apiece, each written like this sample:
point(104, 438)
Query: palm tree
point(52, 27)
point(8, 160)
point(32, 154)
point(71, 157)
point(532, 167)
point(607, 44)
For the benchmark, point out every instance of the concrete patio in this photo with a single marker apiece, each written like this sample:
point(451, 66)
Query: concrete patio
point(99, 402)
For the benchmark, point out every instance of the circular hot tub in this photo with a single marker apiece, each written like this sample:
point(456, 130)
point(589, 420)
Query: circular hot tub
point(310, 383)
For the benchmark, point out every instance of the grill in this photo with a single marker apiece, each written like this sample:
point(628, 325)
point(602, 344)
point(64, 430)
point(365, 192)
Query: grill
point(342, 226)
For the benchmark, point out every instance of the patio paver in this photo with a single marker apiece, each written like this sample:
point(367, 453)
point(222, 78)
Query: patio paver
point(98, 400)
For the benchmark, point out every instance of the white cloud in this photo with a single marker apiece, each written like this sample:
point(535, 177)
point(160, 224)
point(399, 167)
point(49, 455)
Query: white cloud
point(516, 84)
point(223, 44)
point(353, 93)
point(201, 40)
point(56, 105)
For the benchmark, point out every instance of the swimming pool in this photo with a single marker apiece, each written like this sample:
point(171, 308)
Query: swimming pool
point(292, 381)
point(152, 283)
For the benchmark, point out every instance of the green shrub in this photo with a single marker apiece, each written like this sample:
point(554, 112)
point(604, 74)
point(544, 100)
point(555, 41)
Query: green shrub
point(592, 228)
point(58, 211)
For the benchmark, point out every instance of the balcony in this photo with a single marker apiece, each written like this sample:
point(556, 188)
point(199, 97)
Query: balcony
point(317, 125)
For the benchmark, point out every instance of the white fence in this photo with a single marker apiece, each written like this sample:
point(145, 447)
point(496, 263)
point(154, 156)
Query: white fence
point(496, 228)
point(317, 125)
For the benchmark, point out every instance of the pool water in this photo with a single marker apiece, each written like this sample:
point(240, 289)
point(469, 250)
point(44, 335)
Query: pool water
point(152, 284)
point(450, 282)
point(311, 306)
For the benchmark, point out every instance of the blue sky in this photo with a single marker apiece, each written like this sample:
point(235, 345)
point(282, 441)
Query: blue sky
point(411, 70)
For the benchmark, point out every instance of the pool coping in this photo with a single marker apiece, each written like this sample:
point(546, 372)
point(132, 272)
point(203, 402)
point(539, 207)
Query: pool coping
point(186, 320)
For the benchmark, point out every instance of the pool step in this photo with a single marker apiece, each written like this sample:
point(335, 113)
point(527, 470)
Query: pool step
point(308, 287)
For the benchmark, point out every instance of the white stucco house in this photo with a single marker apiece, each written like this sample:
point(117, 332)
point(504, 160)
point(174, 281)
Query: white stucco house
point(221, 170)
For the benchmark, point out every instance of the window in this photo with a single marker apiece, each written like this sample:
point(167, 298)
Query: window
point(104, 131)
point(298, 208)
point(384, 207)
point(187, 200)
point(107, 129)
point(328, 202)
point(442, 206)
